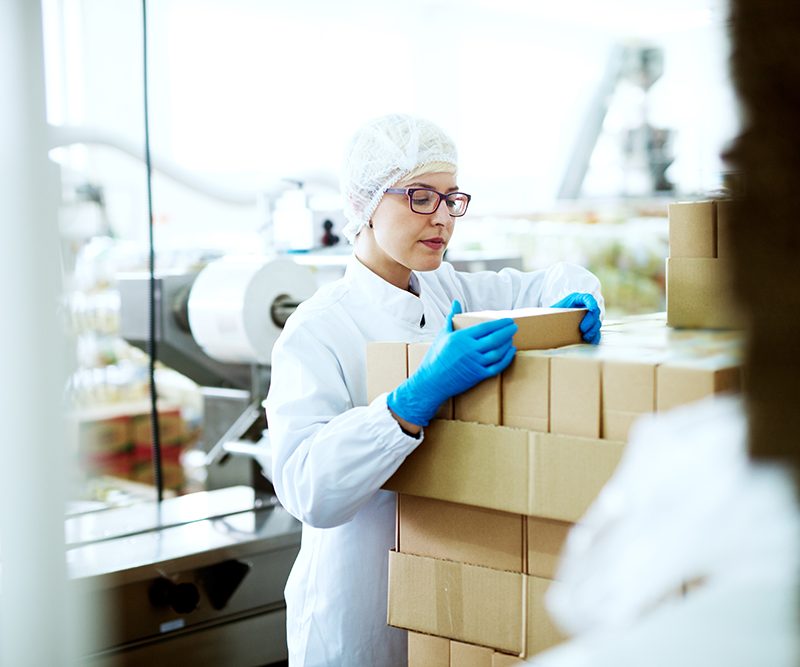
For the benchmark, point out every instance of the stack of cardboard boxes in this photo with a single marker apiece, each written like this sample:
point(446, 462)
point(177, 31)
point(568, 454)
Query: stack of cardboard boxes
point(117, 441)
point(508, 467)
point(698, 267)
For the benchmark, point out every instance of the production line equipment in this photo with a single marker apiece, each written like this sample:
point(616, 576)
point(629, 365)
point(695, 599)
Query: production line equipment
point(198, 579)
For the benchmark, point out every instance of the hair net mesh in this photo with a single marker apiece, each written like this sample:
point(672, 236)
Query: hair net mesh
point(383, 152)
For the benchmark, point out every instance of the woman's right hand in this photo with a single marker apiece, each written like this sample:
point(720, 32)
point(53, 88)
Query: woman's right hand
point(456, 362)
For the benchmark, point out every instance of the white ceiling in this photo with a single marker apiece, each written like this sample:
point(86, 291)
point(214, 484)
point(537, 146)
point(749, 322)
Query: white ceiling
point(637, 18)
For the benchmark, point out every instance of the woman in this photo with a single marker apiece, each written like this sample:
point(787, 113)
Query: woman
point(332, 451)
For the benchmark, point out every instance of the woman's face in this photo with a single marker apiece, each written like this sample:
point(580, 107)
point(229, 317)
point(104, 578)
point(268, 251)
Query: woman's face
point(413, 241)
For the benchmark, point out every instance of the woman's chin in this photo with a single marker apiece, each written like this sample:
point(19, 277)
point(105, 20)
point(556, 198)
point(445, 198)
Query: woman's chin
point(428, 263)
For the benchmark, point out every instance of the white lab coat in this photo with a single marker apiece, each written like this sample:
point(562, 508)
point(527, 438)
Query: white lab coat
point(332, 451)
point(685, 503)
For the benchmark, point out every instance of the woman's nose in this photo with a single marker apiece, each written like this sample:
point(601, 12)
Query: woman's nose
point(441, 216)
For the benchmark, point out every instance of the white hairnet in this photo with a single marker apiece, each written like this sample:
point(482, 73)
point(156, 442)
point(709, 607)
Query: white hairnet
point(383, 152)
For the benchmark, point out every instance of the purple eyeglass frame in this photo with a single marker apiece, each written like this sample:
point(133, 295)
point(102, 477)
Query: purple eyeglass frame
point(410, 192)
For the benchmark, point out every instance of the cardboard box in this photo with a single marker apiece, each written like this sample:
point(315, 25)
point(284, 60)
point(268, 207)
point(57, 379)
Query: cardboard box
point(699, 294)
point(539, 328)
point(545, 540)
point(416, 352)
point(522, 472)
point(681, 382)
point(117, 464)
point(104, 436)
point(525, 392)
point(505, 660)
point(575, 396)
point(469, 655)
point(428, 651)
point(479, 536)
point(629, 391)
point(172, 474)
point(469, 603)
point(724, 207)
point(463, 533)
point(170, 427)
point(387, 367)
point(692, 229)
point(481, 404)
point(431, 651)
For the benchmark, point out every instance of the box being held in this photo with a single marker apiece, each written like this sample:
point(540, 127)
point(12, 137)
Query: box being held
point(538, 328)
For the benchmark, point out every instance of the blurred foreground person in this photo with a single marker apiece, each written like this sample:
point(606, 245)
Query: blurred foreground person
point(708, 494)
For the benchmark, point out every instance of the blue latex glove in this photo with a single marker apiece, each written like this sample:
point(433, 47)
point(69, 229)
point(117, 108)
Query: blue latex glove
point(590, 324)
point(457, 361)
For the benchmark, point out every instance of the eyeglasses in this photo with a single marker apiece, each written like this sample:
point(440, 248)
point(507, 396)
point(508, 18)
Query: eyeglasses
point(426, 201)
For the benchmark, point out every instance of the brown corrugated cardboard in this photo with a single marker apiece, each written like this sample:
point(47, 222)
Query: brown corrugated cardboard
point(505, 660)
point(539, 328)
point(428, 651)
point(692, 229)
point(479, 536)
point(568, 472)
point(629, 391)
point(469, 603)
point(523, 472)
point(469, 655)
point(387, 367)
point(104, 436)
point(171, 428)
point(468, 463)
point(541, 632)
point(724, 227)
point(464, 533)
point(690, 380)
point(545, 539)
point(699, 294)
point(416, 352)
point(526, 392)
point(575, 398)
point(482, 403)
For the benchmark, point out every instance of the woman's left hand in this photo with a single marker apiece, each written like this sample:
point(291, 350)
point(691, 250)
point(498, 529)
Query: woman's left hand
point(590, 324)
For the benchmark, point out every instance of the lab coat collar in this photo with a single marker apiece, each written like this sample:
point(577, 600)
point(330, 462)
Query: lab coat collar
point(400, 304)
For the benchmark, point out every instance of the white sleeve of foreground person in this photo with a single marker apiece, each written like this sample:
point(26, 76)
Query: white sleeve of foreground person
point(686, 504)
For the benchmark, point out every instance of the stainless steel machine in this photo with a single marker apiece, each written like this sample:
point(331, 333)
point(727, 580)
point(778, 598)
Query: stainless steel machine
point(195, 580)
point(217, 326)
point(198, 579)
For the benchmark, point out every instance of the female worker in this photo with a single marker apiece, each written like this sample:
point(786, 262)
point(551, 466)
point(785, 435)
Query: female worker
point(332, 451)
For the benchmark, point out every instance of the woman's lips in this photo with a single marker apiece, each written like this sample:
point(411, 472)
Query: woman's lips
point(434, 244)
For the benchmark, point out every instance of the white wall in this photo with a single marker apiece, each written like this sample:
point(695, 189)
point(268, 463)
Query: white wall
point(249, 91)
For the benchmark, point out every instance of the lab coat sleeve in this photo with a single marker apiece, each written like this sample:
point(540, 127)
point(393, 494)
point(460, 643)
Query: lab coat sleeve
point(329, 457)
point(510, 288)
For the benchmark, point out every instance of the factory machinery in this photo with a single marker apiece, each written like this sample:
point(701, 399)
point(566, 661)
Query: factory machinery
point(198, 579)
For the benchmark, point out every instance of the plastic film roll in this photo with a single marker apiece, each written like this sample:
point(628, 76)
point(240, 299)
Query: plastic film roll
point(233, 301)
